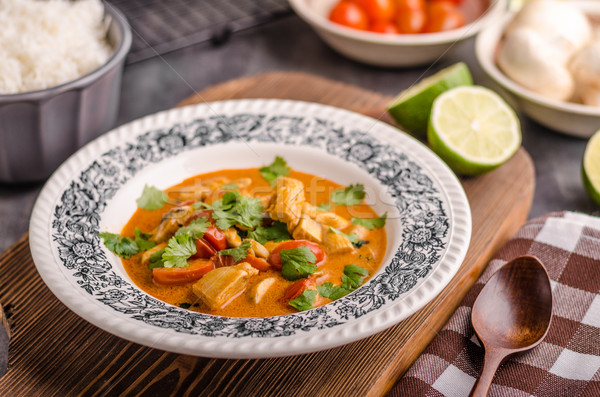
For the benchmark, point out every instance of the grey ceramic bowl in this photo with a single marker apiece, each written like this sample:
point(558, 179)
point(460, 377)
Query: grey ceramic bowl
point(40, 129)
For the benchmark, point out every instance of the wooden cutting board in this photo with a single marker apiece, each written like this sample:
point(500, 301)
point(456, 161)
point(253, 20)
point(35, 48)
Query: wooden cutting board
point(53, 351)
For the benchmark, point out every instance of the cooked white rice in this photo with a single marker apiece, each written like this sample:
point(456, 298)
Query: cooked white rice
point(47, 43)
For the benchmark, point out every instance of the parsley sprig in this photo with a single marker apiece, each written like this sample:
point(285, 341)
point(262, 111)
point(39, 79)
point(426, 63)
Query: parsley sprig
point(237, 253)
point(297, 263)
point(276, 232)
point(352, 237)
point(304, 301)
point(370, 223)
point(235, 209)
point(274, 170)
point(352, 278)
point(196, 227)
point(352, 195)
point(152, 198)
point(179, 249)
point(126, 247)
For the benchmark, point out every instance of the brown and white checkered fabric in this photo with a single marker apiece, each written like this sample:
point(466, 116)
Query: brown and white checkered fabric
point(567, 362)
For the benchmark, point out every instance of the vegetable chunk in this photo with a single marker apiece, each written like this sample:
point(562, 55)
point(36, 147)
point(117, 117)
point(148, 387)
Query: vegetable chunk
point(286, 206)
point(219, 286)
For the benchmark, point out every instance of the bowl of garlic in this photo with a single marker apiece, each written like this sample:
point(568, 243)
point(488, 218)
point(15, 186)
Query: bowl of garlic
point(547, 56)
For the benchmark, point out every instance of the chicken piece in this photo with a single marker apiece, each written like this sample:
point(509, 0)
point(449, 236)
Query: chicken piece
point(271, 245)
point(336, 243)
point(219, 286)
point(195, 192)
point(257, 292)
point(233, 238)
point(331, 219)
point(147, 254)
point(172, 221)
point(308, 229)
point(257, 249)
point(265, 199)
point(309, 210)
point(286, 206)
point(360, 231)
point(241, 183)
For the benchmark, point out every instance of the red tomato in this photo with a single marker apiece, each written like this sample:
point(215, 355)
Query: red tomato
point(349, 14)
point(182, 275)
point(222, 260)
point(457, 2)
point(258, 263)
point(216, 237)
point(378, 10)
point(201, 214)
point(275, 257)
point(384, 27)
point(411, 16)
point(297, 288)
point(441, 16)
point(204, 249)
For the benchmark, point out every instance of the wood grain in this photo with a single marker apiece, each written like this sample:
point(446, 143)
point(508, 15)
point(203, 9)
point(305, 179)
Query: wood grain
point(54, 352)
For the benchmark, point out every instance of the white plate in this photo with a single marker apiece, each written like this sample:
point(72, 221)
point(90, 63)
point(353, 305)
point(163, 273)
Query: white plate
point(428, 229)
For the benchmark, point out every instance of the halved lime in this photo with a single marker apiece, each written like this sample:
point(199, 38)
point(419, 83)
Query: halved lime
point(473, 130)
point(411, 108)
point(591, 167)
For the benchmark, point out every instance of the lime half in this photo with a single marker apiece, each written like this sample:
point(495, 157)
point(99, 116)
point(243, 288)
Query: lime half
point(473, 130)
point(591, 167)
point(411, 108)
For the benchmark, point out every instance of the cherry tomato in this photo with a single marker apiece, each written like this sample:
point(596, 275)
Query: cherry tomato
point(457, 2)
point(441, 16)
point(410, 17)
point(411, 4)
point(384, 27)
point(297, 288)
point(204, 249)
point(275, 257)
point(216, 237)
point(349, 14)
point(182, 275)
point(378, 10)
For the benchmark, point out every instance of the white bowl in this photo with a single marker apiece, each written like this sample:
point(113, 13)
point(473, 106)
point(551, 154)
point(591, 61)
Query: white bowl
point(395, 49)
point(566, 117)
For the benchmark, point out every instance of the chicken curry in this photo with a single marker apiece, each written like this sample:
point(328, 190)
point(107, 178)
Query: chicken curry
point(251, 242)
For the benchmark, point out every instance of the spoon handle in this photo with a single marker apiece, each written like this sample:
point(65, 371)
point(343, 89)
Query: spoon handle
point(491, 362)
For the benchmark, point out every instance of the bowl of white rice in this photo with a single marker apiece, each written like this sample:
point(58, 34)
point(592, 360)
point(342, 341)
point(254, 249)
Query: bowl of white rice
point(61, 64)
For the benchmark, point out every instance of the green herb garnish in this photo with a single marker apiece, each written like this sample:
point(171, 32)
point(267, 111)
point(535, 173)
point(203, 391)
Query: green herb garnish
point(235, 209)
point(141, 240)
point(156, 259)
point(152, 198)
point(370, 223)
point(352, 237)
point(297, 263)
point(122, 246)
point(185, 305)
point(352, 278)
point(237, 253)
point(230, 186)
point(352, 195)
point(274, 170)
point(276, 232)
point(304, 301)
point(179, 249)
point(196, 228)
point(324, 207)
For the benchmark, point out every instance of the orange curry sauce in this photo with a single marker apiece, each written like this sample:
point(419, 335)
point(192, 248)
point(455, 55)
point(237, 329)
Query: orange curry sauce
point(317, 191)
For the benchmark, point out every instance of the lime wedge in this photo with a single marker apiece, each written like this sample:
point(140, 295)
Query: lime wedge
point(473, 130)
point(591, 167)
point(412, 106)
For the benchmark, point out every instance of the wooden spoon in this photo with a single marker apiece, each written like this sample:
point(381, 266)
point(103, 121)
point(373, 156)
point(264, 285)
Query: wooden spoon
point(511, 314)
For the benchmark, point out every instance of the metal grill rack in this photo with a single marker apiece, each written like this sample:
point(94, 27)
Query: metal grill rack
point(161, 26)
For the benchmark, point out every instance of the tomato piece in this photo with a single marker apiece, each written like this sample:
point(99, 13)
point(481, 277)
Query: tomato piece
point(384, 27)
point(182, 275)
point(275, 257)
point(441, 16)
point(297, 288)
point(411, 4)
point(222, 260)
point(411, 21)
point(204, 249)
point(456, 2)
point(201, 214)
point(216, 237)
point(258, 263)
point(349, 14)
point(378, 10)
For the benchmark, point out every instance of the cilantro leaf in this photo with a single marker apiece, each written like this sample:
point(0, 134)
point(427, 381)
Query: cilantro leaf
point(196, 228)
point(277, 232)
point(141, 240)
point(274, 170)
point(250, 211)
point(370, 223)
point(229, 186)
point(324, 207)
point(179, 249)
point(122, 246)
point(352, 195)
point(352, 237)
point(152, 198)
point(304, 301)
point(235, 209)
point(297, 263)
point(238, 253)
point(353, 276)
point(156, 259)
point(333, 292)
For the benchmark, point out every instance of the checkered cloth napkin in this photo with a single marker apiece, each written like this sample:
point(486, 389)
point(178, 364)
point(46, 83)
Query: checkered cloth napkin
point(567, 362)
